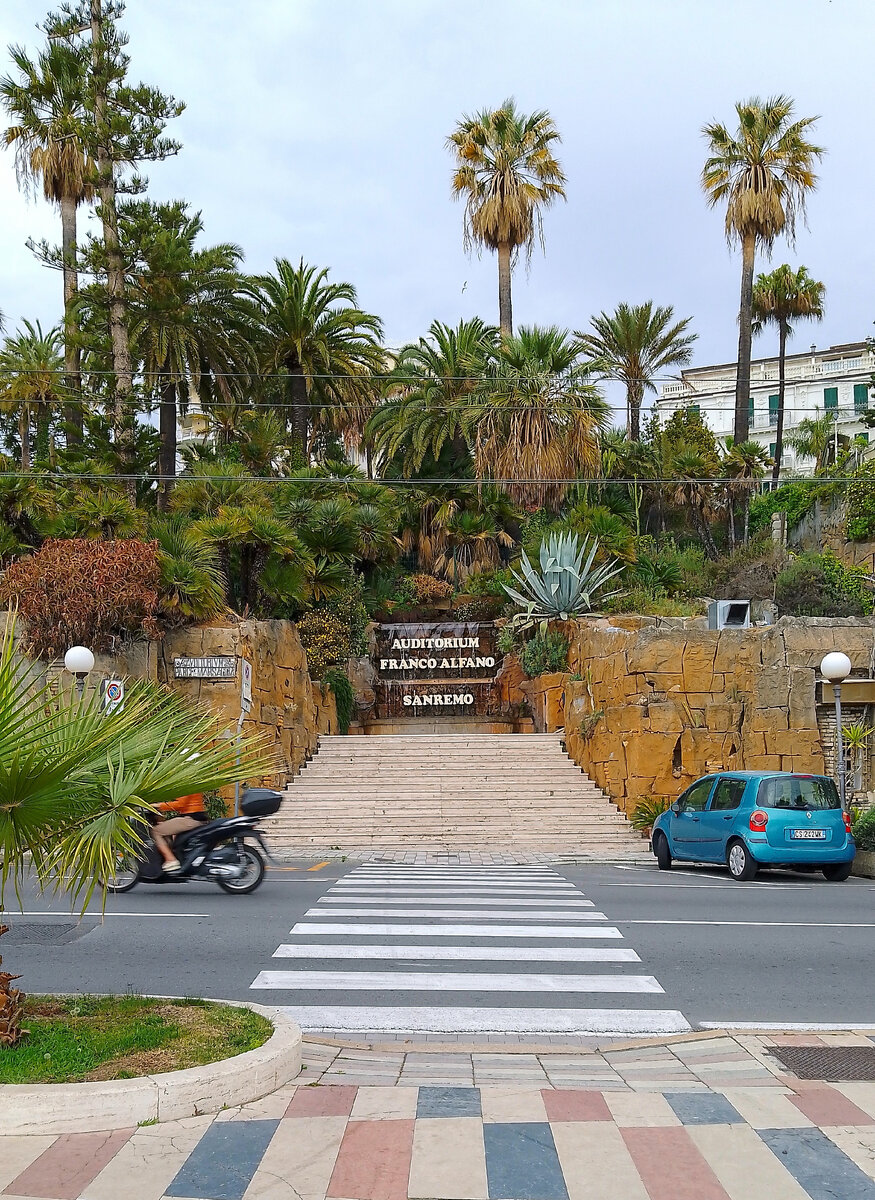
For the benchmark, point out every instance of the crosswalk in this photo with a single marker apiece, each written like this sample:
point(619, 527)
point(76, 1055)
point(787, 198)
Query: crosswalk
point(462, 951)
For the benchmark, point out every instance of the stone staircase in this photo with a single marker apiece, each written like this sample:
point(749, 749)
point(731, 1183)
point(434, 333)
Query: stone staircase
point(487, 792)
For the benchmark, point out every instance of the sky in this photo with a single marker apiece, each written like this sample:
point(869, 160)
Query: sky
point(316, 129)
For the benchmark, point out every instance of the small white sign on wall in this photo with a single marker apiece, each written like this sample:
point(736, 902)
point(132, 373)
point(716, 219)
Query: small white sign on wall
point(246, 684)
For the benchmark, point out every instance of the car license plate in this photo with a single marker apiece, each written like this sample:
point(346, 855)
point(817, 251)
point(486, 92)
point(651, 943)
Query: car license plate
point(808, 835)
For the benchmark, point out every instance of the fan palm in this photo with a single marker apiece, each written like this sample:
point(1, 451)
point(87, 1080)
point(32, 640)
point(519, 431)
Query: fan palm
point(32, 383)
point(187, 317)
point(632, 345)
point(74, 778)
point(426, 393)
point(46, 106)
point(507, 173)
point(745, 464)
point(473, 543)
point(780, 297)
point(535, 417)
point(817, 438)
point(693, 472)
point(763, 172)
point(314, 331)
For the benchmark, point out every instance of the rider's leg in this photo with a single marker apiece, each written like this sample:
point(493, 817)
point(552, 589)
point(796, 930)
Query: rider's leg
point(164, 831)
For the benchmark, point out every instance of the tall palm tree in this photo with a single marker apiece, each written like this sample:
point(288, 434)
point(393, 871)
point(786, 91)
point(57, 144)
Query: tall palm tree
point(314, 331)
point(188, 318)
point(46, 105)
point(764, 172)
point(783, 296)
point(32, 383)
point(507, 173)
point(632, 345)
point(427, 391)
point(536, 416)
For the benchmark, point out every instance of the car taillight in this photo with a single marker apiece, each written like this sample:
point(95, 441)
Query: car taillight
point(846, 817)
point(759, 820)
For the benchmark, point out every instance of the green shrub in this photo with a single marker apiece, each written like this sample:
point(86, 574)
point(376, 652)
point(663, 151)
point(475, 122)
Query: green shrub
point(861, 505)
point(818, 585)
point(864, 830)
point(215, 806)
point(326, 640)
point(795, 498)
point(489, 583)
point(545, 652)
point(646, 812)
point(344, 696)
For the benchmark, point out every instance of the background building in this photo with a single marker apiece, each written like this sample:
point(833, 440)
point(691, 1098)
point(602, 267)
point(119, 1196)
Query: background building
point(837, 380)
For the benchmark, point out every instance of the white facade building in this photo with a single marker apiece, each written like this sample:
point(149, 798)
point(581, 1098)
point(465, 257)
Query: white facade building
point(836, 380)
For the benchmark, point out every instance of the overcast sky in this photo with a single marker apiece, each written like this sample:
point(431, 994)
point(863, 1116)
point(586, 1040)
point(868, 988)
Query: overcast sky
point(316, 128)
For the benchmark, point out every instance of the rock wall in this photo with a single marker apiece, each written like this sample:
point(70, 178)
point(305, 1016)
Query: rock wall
point(824, 529)
point(661, 701)
point(287, 706)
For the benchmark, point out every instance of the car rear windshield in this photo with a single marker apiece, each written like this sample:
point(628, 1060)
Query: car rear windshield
point(798, 791)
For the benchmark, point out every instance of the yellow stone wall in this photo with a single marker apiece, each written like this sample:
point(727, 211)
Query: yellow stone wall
point(677, 700)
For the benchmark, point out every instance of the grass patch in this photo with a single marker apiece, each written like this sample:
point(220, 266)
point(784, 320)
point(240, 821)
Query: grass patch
point(80, 1038)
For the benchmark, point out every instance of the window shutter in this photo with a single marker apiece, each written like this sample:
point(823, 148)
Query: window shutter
point(774, 401)
point(861, 398)
point(830, 398)
point(773, 449)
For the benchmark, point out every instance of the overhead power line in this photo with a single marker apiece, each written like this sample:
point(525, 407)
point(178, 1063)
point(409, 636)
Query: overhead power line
point(343, 481)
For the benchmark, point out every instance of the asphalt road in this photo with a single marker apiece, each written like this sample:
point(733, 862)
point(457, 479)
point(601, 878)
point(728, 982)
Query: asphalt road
point(385, 948)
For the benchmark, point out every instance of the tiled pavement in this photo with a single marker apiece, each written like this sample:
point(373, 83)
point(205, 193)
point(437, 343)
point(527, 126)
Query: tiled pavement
point(699, 1117)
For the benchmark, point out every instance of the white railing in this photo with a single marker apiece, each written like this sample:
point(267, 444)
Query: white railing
point(673, 389)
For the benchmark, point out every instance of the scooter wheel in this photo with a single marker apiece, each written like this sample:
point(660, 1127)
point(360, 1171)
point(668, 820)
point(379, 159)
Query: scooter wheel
point(253, 873)
point(125, 876)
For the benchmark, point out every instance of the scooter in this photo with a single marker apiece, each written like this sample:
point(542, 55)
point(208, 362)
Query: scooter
point(216, 851)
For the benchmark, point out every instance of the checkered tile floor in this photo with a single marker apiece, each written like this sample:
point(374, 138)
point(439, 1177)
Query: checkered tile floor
point(725, 1125)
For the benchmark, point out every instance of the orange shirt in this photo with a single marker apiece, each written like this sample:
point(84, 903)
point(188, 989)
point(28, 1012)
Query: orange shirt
point(184, 805)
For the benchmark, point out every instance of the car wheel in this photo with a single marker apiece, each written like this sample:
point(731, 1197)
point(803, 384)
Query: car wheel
point(742, 865)
point(662, 852)
point(837, 872)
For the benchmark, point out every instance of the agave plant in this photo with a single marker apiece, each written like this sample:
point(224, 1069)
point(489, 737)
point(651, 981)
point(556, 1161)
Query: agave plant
point(566, 583)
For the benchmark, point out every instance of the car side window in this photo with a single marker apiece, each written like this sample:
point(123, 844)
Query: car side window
point(727, 795)
point(695, 798)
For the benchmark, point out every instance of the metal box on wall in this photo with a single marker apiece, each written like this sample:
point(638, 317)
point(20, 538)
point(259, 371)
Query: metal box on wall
point(729, 614)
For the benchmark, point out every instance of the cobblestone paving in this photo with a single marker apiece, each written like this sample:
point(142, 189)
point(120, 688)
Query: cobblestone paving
point(698, 1117)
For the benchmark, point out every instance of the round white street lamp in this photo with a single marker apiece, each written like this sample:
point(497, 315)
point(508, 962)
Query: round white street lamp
point(79, 661)
point(835, 668)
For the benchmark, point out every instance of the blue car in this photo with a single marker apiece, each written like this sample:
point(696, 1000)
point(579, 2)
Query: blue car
point(753, 819)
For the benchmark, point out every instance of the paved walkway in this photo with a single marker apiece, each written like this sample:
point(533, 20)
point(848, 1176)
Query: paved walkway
point(700, 1117)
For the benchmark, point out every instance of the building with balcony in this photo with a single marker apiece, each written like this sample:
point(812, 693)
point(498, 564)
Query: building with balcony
point(836, 380)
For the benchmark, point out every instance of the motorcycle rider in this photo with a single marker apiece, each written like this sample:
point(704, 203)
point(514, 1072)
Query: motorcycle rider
point(184, 813)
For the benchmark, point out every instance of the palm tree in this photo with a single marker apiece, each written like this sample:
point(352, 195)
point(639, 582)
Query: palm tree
point(783, 296)
point(314, 331)
point(816, 437)
point(692, 472)
point(745, 464)
point(632, 345)
point(31, 382)
point(74, 779)
point(187, 318)
point(506, 171)
point(764, 172)
point(46, 104)
point(427, 391)
point(535, 417)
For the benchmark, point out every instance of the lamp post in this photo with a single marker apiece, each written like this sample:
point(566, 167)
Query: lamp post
point(835, 668)
point(79, 661)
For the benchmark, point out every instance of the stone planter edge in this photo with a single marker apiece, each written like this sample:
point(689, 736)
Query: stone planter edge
point(864, 864)
point(59, 1108)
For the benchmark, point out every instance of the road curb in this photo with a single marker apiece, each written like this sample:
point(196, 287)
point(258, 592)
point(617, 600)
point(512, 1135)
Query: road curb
point(59, 1108)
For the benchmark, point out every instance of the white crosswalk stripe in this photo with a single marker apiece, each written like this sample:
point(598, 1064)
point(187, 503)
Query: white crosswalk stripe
point(521, 946)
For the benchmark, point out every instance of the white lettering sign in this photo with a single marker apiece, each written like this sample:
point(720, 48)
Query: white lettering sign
point(436, 699)
point(436, 643)
point(214, 667)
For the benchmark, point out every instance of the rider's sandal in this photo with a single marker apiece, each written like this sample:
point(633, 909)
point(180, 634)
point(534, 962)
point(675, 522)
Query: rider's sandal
point(172, 866)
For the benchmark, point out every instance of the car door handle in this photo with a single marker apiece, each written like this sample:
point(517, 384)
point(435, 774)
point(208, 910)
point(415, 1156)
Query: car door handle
point(695, 818)
point(729, 818)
